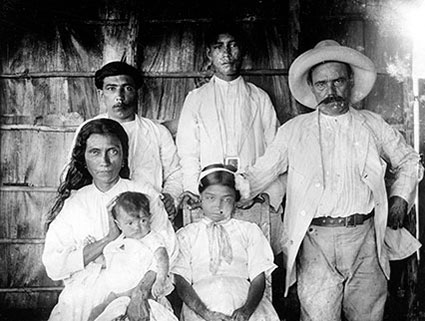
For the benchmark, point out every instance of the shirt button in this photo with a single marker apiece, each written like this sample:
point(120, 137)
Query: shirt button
point(302, 213)
point(317, 185)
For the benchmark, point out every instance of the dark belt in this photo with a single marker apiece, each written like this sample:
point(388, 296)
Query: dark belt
point(349, 221)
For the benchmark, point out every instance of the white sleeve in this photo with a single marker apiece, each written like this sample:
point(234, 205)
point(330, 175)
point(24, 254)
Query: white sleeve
point(405, 162)
point(188, 144)
point(170, 164)
point(62, 254)
point(277, 188)
point(260, 254)
point(269, 119)
point(273, 163)
point(162, 225)
point(182, 265)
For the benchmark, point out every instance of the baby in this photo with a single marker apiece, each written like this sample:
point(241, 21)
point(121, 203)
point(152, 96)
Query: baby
point(136, 251)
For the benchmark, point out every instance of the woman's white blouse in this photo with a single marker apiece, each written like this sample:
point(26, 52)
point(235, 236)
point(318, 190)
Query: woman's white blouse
point(84, 214)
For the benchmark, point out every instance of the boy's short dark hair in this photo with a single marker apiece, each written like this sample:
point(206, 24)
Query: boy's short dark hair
point(131, 203)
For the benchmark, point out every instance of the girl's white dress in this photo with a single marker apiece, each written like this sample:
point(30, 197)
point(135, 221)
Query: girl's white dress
point(221, 277)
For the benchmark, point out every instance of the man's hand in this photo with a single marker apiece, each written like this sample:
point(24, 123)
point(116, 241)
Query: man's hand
point(189, 200)
point(397, 210)
point(168, 201)
point(138, 308)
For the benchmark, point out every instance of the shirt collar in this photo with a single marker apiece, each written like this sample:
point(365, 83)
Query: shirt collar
point(222, 82)
point(341, 119)
point(207, 221)
point(111, 191)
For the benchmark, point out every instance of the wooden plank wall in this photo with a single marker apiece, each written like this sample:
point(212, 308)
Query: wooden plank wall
point(358, 24)
point(174, 59)
point(46, 89)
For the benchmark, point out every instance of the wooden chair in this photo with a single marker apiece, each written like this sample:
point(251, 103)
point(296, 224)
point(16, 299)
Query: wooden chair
point(258, 212)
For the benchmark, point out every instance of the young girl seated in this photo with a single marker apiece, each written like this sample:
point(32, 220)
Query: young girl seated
point(135, 252)
point(223, 262)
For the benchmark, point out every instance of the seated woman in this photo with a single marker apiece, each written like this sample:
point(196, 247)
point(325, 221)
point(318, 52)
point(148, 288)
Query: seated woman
point(222, 264)
point(98, 172)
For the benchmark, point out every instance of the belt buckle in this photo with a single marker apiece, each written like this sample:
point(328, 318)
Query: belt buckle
point(350, 218)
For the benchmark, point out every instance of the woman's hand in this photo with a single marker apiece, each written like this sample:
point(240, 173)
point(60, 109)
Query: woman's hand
point(114, 231)
point(101, 260)
point(192, 300)
point(217, 316)
point(158, 288)
point(255, 293)
point(241, 315)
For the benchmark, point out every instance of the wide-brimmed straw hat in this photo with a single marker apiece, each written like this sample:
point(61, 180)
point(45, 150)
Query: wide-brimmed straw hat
point(364, 72)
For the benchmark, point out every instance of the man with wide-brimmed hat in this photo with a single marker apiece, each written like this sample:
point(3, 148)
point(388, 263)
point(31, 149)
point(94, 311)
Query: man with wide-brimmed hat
point(337, 212)
point(152, 153)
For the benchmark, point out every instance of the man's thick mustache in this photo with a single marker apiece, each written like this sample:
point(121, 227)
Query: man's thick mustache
point(121, 105)
point(331, 99)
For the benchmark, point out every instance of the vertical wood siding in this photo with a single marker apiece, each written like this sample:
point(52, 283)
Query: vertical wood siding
point(47, 89)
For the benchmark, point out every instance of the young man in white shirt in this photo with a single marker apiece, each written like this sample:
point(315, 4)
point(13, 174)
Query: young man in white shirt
point(228, 121)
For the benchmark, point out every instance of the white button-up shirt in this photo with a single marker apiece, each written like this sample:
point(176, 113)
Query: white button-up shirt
point(226, 119)
point(344, 192)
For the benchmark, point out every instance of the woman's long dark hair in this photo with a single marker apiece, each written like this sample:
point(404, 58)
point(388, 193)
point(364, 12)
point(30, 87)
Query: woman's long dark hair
point(77, 175)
